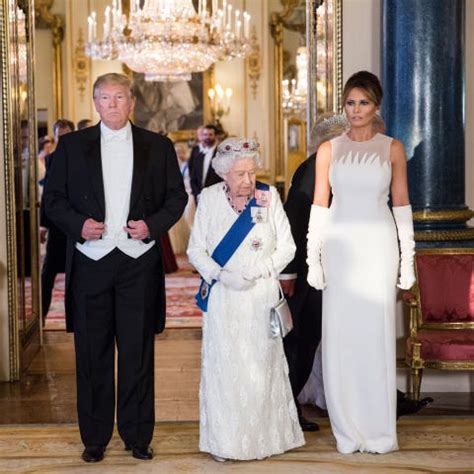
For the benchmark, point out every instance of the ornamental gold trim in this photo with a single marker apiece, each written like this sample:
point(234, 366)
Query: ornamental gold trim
point(81, 64)
point(446, 251)
point(254, 63)
point(10, 209)
point(445, 215)
point(338, 83)
point(182, 135)
point(444, 235)
point(454, 365)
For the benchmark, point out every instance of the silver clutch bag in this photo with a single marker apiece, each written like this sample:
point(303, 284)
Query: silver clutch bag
point(281, 322)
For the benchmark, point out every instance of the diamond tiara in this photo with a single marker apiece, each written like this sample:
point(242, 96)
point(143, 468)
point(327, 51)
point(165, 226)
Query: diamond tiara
point(231, 146)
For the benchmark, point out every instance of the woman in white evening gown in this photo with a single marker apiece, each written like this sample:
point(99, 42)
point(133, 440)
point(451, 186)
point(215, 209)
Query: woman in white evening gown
point(247, 410)
point(353, 254)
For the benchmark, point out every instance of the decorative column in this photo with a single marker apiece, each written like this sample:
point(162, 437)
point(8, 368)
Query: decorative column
point(423, 79)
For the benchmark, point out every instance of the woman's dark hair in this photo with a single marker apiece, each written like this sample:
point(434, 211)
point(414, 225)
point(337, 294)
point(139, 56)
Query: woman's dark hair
point(366, 81)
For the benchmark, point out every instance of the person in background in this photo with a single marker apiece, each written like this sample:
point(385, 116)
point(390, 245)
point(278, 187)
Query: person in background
point(179, 233)
point(45, 147)
point(295, 285)
point(246, 405)
point(201, 172)
point(305, 301)
point(199, 135)
point(84, 123)
point(115, 189)
point(55, 257)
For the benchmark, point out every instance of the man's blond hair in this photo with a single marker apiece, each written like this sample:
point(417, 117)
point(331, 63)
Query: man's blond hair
point(112, 78)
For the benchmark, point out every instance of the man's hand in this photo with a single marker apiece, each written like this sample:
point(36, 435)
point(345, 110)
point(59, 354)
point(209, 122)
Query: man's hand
point(92, 230)
point(288, 287)
point(138, 230)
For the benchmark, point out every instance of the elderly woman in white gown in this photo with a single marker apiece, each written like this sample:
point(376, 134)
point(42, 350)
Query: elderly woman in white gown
point(246, 406)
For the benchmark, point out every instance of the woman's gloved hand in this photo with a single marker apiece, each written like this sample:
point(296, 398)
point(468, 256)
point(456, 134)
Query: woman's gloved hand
point(262, 269)
point(404, 219)
point(316, 230)
point(235, 280)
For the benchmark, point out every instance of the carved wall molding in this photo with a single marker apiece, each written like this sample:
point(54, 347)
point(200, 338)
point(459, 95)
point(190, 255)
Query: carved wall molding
point(81, 64)
point(44, 18)
point(254, 63)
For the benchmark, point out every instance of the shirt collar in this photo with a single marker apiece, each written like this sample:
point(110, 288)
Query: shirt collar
point(121, 135)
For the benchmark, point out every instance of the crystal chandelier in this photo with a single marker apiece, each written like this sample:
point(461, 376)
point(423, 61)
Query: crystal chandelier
point(167, 40)
point(295, 92)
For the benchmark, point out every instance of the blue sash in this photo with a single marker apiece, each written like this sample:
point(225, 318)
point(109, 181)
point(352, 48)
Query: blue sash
point(228, 245)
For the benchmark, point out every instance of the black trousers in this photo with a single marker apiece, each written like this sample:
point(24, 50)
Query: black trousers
point(301, 343)
point(114, 302)
point(54, 263)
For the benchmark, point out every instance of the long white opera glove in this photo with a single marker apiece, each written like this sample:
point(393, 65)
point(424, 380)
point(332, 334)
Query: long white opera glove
point(406, 235)
point(316, 231)
point(234, 280)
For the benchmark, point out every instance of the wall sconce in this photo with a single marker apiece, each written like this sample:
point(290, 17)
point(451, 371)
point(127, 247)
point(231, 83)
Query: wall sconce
point(219, 102)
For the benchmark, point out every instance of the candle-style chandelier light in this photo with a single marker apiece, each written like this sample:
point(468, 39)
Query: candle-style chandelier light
point(295, 92)
point(167, 40)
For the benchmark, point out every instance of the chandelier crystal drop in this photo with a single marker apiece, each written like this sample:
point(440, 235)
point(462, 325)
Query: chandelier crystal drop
point(167, 40)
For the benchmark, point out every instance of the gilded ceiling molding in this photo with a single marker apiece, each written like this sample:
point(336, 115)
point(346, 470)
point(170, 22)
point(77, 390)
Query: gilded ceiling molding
point(81, 64)
point(45, 19)
point(254, 63)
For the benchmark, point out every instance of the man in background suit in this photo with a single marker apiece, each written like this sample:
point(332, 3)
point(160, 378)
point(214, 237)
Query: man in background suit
point(201, 172)
point(114, 189)
point(304, 301)
point(55, 258)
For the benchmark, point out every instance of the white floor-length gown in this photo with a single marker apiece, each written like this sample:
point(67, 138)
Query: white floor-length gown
point(360, 260)
point(247, 409)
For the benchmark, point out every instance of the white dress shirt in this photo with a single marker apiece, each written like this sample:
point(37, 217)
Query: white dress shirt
point(209, 153)
point(117, 169)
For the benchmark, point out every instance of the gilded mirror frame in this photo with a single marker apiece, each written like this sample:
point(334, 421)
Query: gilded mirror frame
point(324, 38)
point(18, 105)
point(278, 24)
point(7, 130)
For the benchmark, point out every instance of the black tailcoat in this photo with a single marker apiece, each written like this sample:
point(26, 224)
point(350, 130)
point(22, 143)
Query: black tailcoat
point(74, 192)
point(307, 320)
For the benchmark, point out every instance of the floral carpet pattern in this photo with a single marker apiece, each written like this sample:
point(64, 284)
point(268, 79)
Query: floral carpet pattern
point(181, 309)
point(427, 445)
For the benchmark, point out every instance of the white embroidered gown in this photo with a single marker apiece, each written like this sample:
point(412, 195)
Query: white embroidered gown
point(360, 259)
point(247, 409)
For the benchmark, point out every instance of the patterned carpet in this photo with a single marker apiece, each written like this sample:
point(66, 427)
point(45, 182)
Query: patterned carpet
point(426, 445)
point(181, 310)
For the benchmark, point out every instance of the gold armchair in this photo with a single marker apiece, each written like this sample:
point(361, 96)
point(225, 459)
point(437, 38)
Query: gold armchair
point(441, 314)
